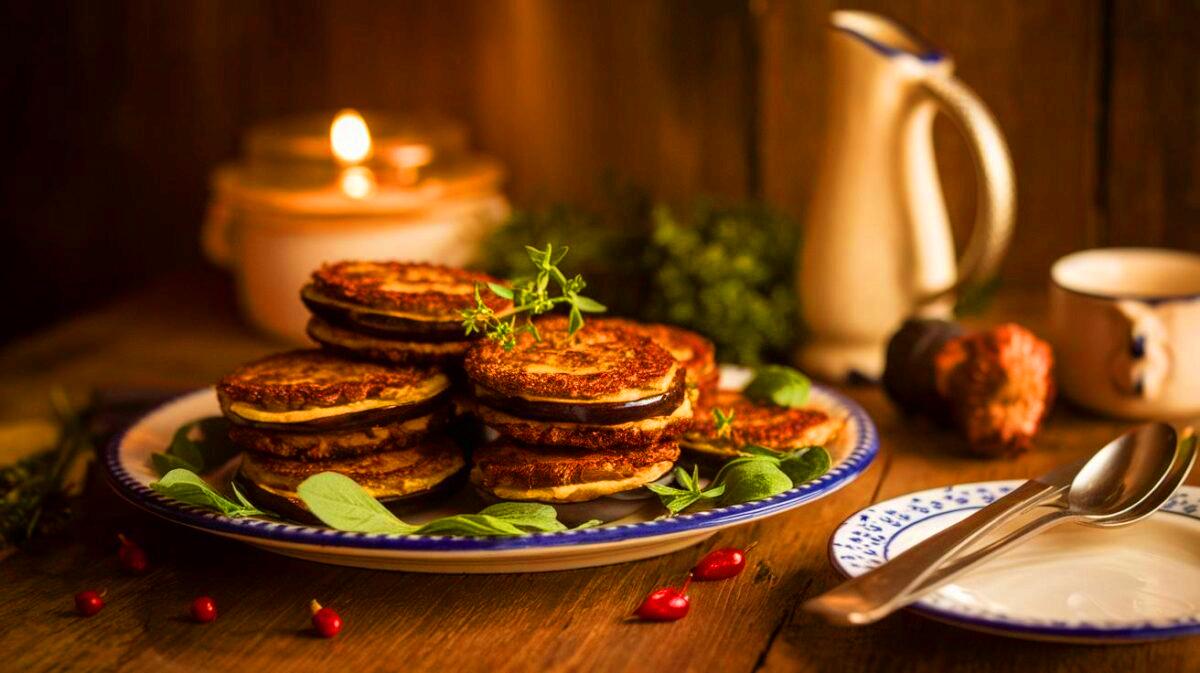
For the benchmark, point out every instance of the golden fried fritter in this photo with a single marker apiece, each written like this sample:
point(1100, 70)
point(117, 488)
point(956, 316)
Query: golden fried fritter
point(512, 471)
point(766, 425)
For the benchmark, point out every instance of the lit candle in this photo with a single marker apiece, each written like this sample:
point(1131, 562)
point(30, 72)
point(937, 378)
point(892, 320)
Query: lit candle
point(321, 188)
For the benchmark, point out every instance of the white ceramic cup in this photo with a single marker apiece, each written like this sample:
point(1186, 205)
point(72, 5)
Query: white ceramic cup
point(1125, 323)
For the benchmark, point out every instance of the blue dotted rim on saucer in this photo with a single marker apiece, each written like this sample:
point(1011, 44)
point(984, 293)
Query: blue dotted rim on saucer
point(863, 541)
point(866, 447)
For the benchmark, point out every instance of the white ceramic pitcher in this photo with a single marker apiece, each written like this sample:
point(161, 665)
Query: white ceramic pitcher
point(877, 243)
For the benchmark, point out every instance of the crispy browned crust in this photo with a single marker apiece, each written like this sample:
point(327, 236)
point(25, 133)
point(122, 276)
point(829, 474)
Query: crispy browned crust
point(365, 283)
point(313, 378)
point(581, 436)
point(432, 456)
point(766, 425)
point(342, 342)
point(696, 353)
point(316, 446)
point(625, 360)
point(508, 463)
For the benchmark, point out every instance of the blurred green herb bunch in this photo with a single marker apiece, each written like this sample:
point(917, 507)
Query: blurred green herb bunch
point(724, 270)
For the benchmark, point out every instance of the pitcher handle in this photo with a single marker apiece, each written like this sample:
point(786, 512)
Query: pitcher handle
point(997, 200)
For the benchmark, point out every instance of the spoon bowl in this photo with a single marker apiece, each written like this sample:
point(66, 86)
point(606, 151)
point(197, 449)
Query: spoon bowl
point(1123, 473)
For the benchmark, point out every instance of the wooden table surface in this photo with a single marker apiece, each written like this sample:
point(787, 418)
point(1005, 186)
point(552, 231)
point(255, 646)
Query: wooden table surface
point(185, 333)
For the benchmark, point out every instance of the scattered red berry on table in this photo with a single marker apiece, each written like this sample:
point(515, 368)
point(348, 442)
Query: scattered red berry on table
point(88, 603)
point(204, 609)
point(721, 564)
point(326, 622)
point(133, 557)
point(666, 605)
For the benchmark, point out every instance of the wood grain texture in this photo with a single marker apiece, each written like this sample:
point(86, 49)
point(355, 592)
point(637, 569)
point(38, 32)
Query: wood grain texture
point(1153, 165)
point(185, 334)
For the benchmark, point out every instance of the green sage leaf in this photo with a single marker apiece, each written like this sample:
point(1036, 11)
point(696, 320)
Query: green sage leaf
point(341, 503)
point(779, 385)
point(805, 464)
point(187, 486)
point(754, 480)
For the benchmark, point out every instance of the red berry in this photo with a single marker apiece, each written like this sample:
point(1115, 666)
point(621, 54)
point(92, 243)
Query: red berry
point(325, 620)
point(133, 558)
point(720, 564)
point(666, 605)
point(204, 609)
point(88, 603)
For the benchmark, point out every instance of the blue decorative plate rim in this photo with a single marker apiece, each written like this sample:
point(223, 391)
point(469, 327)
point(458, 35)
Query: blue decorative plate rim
point(1185, 502)
point(865, 449)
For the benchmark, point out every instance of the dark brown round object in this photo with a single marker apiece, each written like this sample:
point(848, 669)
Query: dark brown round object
point(357, 419)
point(765, 425)
point(596, 413)
point(596, 362)
point(509, 470)
point(377, 323)
point(908, 376)
point(652, 430)
point(350, 344)
point(313, 378)
point(423, 291)
point(326, 444)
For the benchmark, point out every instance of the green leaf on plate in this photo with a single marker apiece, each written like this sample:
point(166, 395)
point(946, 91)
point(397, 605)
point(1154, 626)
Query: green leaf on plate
point(753, 479)
point(779, 385)
point(805, 464)
point(187, 486)
point(339, 502)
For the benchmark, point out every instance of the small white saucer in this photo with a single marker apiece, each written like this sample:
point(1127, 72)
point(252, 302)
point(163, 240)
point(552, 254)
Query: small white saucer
point(1074, 583)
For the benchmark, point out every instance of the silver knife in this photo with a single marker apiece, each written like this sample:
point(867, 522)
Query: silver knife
point(870, 596)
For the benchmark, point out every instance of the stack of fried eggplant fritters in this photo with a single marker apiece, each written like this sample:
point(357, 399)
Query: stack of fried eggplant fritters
point(401, 312)
point(302, 412)
point(579, 416)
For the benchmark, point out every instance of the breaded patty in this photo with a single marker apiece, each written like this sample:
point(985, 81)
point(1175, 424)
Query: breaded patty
point(512, 471)
point(393, 477)
point(639, 433)
point(349, 343)
point(384, 474)
point(766, 425)
point(315, 383)
point(338, 443)
point(425, 292)
point(696, 353)
point(598, 364)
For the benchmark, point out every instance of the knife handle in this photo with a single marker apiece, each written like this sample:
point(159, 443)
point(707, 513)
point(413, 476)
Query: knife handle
point(873, 595)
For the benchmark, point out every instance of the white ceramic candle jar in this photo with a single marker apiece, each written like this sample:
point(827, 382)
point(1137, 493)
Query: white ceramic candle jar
point(1126, 329)
point(413, 193)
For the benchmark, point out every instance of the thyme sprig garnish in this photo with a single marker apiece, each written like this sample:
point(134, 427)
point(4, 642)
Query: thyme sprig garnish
point(723, 422)
point(531, 296)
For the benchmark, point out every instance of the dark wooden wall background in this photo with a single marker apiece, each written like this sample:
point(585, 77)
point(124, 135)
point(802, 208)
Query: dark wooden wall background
point(115, 112)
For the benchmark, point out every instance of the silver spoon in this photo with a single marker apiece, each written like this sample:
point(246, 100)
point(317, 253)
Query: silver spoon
point(1185, 458)
point(1114, 480)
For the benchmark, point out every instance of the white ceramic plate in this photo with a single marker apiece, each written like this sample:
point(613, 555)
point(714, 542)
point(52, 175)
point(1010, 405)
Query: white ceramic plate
point(635, 535)
point(1072, 583)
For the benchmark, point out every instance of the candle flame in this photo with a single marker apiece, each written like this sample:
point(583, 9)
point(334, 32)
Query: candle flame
point(358, 182)
point(350, 138)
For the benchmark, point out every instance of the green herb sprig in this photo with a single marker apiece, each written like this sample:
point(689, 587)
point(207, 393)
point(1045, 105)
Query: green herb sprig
point(723, 422)
point(678, 499)
point(530, 297)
